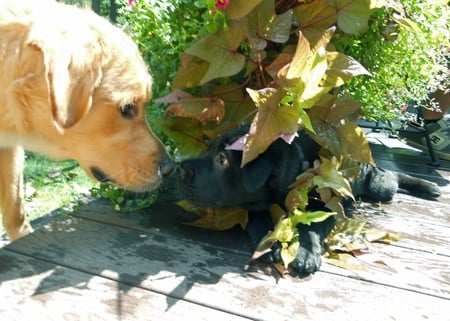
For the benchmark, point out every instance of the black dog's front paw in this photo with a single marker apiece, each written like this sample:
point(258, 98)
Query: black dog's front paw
point(306, 262)
point(309, 255)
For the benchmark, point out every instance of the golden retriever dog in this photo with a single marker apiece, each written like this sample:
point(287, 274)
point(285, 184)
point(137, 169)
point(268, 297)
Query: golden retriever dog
point(72, 86)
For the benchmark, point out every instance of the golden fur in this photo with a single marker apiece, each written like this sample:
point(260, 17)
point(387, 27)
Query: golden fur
point(71, 86)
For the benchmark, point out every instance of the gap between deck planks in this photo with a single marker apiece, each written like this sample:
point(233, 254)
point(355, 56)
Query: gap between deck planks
point(66, 258)
point(101, 265)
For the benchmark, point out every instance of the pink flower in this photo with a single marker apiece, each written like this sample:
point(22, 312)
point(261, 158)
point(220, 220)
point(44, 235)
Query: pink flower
point(131, 3)
point(222, 4)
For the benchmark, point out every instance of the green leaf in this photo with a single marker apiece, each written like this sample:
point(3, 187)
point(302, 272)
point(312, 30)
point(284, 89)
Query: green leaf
point(341, 68)
point(347, 236)
point(289, 252)
point(406, 23)
point(190, 73)
point(308, 217)
point(299, 62)
point(220, 51)
point(354, 143)
point(305, 121)
point(353, 15)
point(327, 135)
point(307, 70)
point(317, 14)
point(265, 22)
point(284, 231)
point(330, 177)
point(186, 132)
point(238, 9)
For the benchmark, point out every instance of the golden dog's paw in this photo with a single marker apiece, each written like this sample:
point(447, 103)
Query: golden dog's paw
point(24, 230)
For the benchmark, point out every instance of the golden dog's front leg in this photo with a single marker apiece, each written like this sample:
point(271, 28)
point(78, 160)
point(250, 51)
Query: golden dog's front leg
point(11, 192)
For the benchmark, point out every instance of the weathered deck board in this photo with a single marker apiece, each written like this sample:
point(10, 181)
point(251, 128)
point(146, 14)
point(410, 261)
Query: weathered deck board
point(202, 274)
point(53, 292)
point(96, 264)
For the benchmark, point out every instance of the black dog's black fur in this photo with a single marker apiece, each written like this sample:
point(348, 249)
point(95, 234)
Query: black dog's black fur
point(216, 180)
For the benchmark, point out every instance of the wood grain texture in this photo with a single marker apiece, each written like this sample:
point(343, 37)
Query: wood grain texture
point(97, 264)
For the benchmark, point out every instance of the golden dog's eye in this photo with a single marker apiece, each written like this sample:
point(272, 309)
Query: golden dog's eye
point(222, 160)
point(128, 111)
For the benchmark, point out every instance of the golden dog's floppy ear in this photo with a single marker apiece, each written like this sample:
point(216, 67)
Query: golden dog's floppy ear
point(73, 71)
point(71, 88)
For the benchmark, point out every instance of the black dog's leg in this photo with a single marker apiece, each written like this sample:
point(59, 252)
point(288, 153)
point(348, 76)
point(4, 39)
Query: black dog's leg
point(311, 238)
point(259, 224)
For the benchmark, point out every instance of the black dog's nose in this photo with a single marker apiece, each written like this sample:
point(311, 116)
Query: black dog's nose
point(184, 170)
point(166, 166)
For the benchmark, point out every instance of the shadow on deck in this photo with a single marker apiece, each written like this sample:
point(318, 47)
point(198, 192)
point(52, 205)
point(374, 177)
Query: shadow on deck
point(97, 264)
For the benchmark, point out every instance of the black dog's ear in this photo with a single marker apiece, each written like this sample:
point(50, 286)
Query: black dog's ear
point(256, 173)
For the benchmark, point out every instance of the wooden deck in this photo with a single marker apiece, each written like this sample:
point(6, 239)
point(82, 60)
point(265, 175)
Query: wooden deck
point(95, 264)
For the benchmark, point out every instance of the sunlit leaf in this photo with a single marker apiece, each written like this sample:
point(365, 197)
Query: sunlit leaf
point(327, 135)
point(406, 23)
point(308, 217)
point(330, 177)
point(354, 143)
point(346, 261)
point(341, 68)
point(347, 236)
point(284, 231)
point(270, 121)
point(313, 90)
point(304, 121)
point(298, 197)
point(289, 252)
point(374, 235)
point(264, 24)
point(220, 51)
point(308, 68)
point(300, 60)
point(335, 205)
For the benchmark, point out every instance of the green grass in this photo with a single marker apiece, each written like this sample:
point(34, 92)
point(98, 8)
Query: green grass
point(49, 185)
point(61, 186)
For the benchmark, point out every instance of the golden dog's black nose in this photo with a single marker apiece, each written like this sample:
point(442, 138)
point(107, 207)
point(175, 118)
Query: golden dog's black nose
point(166, 166)
point(100, 175)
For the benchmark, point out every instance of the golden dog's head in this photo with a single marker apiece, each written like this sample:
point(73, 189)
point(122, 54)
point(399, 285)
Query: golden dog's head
point(83, 91)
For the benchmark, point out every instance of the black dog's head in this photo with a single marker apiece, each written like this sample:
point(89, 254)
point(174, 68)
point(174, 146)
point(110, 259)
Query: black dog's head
point(216, 179)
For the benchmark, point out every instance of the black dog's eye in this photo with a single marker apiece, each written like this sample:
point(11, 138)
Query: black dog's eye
point(222, 160)
point(128, 111)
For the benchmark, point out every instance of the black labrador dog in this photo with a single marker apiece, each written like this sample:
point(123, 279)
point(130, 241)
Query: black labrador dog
point(216, 180)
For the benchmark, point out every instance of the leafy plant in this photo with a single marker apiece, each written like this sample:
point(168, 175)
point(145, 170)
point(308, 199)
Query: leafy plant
point(406, 57)
point(273, 65)
point(286, 65)
point(122, 200)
